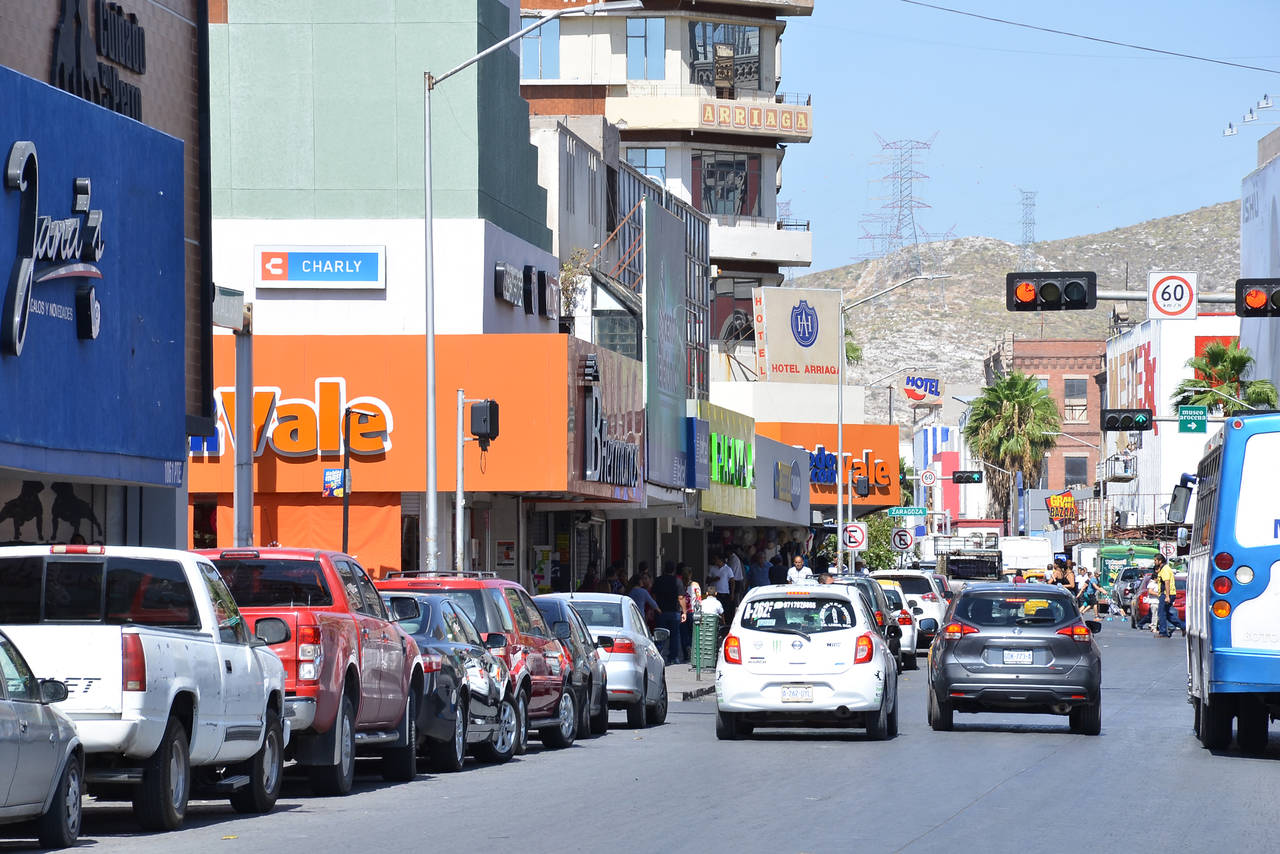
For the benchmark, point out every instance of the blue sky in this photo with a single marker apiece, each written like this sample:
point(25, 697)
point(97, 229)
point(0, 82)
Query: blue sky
point(1107, 136)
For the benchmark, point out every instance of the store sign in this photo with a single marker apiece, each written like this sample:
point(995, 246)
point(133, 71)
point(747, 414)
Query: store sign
point(116, 36)
point(797, 334)
point(508, 283)
point(823, 470)
point(346, 267)
point(607, 460)
point(923, 389)
point(731, 456)
point(548, 294)
point(757, 118)
point(732, 461)
point(1062, 507)
point(698, 445)
point(787, 483)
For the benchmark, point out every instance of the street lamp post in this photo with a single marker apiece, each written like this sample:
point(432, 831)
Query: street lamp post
point(364, 416)
point(1227, 396)
point(428, 561)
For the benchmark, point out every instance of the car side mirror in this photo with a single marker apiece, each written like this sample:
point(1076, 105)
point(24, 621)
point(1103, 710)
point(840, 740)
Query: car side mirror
point(271, 630)
point(662, 635)
point(1094, 626)
point(495, 641)
point(894, 630)
point(52, 691)
point(1184, 538)
point(1179, 503)
point(929, 624)
point(560, 629)
point(604, 642)
point(405, 608)
point(917, 610)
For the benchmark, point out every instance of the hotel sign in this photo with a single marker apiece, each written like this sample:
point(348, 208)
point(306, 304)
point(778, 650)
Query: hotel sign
point(762, 118)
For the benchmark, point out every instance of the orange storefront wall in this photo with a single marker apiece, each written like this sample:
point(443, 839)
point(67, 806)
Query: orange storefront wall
point(879, 442)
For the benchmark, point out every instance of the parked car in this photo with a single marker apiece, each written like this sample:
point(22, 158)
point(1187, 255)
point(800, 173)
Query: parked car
point(805, 656)
point(353, 680)
point(632, 657)
point(466, 705)
point(906, 620)
point(1007, 648)
point(500, 608)
point(587, 672)
point(1140, 608)
point(922, 590)
point(882, 615)
point(1123, 588)
point(41, 758)
point(163, 675)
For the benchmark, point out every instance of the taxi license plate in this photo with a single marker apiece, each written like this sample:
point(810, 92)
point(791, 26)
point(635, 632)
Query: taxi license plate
point(1017, 656)
point(797, 693)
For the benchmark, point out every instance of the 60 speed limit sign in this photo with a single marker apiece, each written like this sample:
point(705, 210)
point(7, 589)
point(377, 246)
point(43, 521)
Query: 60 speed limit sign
point(1172, 296)
point(901, 539)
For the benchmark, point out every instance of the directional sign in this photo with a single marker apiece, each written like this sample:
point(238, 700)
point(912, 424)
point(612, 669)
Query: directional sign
point(901, 539)
point(855, 536)
point(928, 477)
point(1193, 419)
point(907, 511)
point(1172, 296)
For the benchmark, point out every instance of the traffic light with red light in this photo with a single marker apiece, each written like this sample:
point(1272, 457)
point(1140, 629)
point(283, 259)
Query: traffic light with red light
point(1126, 420)
point(1050, 291)
point(1258, 297)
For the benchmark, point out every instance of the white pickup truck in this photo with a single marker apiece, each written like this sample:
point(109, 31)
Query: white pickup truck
point(163, 674)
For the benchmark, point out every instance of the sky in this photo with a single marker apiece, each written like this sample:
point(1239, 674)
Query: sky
point(1106, 136)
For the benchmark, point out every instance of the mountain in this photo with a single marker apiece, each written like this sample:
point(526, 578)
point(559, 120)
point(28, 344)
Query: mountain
point(951, 324)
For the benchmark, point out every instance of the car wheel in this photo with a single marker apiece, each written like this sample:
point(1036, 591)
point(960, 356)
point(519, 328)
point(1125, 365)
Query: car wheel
point(728, 727)
point(160, 803)
point(400, 764)
point(264, 770)
point(600, 720)
point(452, 754)
point(878, 727)
point(637, 713)
point(1086, 720)
point(522, 723)
point(566, 729)
point(1196, 709)
point(1133, 618)
point(336, 779)
point(912, 663)
point(1215, 721)
point(893, 718)
point(943, 715)
point(59, 826)
point(501, 746)
point(584, 713)
point(658, 711)
point(1251, 726)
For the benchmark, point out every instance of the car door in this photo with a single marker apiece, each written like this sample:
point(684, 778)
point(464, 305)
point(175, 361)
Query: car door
point(472, 668)
point(35, 729)
point(652, 656)
point(243, 695)
point(393, 649)
point(535, 638)
point(368, 636)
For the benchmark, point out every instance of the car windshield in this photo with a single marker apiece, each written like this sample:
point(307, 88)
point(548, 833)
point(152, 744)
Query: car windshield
point(600, 613)
point(895, 601)
point(470, 601)
point(917, 584)
point(798, 615)
point(1001, 609)
point(274, 583)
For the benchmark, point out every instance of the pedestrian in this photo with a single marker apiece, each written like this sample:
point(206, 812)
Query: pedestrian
point(668, 592)
point(1153, 602)
point(719, 575)
point(614, 579)
point(1088, 595)
point(1169, 618)
point(777, 571)
point(590, 580)
point(711, 603)
point(736, 586)
point(825, 578)
point(639, 593)
point(1055, 574)
point(692, 605)
point(799, 573)
point(1018, 579)
point(759, 575)
point(1069, 578)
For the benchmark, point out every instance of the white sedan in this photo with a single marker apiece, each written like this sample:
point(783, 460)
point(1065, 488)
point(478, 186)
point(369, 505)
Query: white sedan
point(805, 656)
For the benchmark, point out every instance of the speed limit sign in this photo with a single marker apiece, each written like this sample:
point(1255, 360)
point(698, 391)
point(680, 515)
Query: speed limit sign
point(1172, 296)
point(902, 539)
point(928, 477)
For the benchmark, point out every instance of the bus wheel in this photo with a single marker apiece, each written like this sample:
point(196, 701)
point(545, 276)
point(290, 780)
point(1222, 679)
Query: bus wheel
point(1215, 721)
point(1251, 726)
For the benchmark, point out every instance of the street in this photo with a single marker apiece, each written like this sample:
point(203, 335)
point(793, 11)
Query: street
point(998, 783)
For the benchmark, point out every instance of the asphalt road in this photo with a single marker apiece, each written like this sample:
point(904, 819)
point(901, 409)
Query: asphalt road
point(998, 783)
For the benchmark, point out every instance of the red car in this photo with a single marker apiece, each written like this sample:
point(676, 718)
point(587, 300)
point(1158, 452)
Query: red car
point(1140, 610)
point(514, 630)
point(353, 679)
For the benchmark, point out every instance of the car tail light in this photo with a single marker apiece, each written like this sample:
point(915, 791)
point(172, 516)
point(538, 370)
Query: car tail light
point(904, 619)
point(309, 653)
point(865, 646)
point(929, 597)
point(1222, 585)
point(240, 554)
point(732, 650)
point(1077, 632)
point(135, 663)
point(957, 630)
point(1223, 561)
point(76, 550)
point(623, 646)
point(1222, 608)
point(432, 663)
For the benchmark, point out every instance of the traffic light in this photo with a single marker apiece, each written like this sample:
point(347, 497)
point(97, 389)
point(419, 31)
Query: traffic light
point(966, 476)
point(1258, 297)
point(1050, 291)
point(1126, 420)
point(484, 422)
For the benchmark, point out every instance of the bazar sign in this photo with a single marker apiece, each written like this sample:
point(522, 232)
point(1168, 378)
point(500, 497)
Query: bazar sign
point(796, 340)
point(923, 389)
point(607, 460)
point(321, 266)
point(297, 427)
point(1062, 507)
point(771, 119)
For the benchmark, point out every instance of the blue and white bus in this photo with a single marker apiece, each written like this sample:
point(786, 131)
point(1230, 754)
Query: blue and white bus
point(1233, 587)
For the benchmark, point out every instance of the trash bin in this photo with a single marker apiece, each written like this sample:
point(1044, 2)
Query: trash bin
point(705, 637)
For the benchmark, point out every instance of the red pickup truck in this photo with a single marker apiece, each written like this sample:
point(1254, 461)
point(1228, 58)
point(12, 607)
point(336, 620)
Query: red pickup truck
point(353, 680)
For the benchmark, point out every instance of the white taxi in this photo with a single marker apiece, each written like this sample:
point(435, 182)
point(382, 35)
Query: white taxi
point(805, 656)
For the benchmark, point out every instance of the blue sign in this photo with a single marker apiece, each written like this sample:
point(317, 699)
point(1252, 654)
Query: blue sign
point(320, 266)
point(93, 301)
point(698, 450)
point(804, 324)
point(331, 486)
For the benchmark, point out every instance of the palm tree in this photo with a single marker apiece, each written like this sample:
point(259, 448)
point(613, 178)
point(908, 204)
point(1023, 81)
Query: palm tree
point(1221, 367)
point(1007, 427)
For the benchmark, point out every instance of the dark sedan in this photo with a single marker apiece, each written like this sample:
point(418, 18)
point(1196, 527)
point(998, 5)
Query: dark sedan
point(587, 673)
point(466, 705)
point(1005, 648)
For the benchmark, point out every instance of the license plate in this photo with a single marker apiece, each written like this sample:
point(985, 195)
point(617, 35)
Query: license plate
point(1017, 656)
point(797, 693)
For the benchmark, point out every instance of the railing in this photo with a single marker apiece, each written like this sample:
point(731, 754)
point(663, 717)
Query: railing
point(1118, 468)
point(788, 224)
point(644, 88)
point(1075, 412)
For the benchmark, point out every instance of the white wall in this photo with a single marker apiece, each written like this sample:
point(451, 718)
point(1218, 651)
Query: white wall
point(790, 403)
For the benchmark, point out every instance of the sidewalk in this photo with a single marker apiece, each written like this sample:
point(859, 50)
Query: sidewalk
point(683, 684)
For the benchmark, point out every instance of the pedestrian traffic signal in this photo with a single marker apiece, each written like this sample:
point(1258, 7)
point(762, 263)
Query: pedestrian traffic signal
point(1122, 420)
point(966, 476)
point(1258, 297)
point(484, 422)
point(1050, 291)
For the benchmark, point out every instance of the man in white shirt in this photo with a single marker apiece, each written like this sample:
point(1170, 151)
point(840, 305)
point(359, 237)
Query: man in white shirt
point(711, 603)
point(799, 573)
point(735, 564)
point(719, 575)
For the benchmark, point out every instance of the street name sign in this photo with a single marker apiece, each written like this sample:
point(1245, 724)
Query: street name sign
point(907, 511)
point(1193, 419)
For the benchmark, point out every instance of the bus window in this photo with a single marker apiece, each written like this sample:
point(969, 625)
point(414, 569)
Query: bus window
point(1256, 522)
point(1206, 498)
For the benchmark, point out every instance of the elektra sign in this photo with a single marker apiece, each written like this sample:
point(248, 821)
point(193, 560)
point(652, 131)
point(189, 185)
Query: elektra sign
point(607, 460)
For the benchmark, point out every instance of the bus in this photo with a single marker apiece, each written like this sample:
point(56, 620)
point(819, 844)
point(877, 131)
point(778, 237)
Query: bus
point(1233, 585)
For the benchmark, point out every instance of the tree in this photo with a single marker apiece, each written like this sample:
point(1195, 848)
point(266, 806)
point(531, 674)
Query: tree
point(1221, 367)
point(906, 490)
point(1007, 427)
point(879, 553)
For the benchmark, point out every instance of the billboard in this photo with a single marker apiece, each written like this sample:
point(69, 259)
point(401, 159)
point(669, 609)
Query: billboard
point(782, 482)
point(665, 355)
point(732, 452)
point(797, 334)
point(923, 388)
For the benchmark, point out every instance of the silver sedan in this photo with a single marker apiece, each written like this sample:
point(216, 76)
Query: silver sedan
point(637, 678)
point(41, 760)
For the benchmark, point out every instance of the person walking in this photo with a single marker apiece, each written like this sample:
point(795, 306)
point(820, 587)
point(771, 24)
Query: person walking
point(1169, 618)
point(668, 592)
point(692, 605)
point(759, 574)
point(798, 573)
point(1088, 595)
point(719, 576)
point(1153, 603)
point(737, 587)
point(638, 590)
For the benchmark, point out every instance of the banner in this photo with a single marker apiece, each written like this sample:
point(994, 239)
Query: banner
point(665, 365)
point(797, 334)
point(1062, 507)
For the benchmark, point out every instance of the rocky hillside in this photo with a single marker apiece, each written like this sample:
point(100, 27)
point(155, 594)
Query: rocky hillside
point(952, 323)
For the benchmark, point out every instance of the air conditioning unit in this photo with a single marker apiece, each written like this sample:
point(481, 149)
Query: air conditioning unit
point(1126, 519)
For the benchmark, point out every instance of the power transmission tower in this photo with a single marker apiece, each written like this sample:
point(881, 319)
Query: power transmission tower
point(895, 223)
point(1027, 253)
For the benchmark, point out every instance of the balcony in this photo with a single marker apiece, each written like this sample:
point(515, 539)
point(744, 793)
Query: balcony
point(1118, 469)
point(687, 107)
point(778, 7)
point(786, 242)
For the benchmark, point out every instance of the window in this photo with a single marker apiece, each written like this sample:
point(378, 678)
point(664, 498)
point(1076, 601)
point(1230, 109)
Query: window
point(502, 609)
point(733, 40)
point(1075, 399)
point(1077, 471)
point(20, 580)
point(646, 46)
point(601, 613)
point(1042, 383)
point(19, 682)
point(524, 620)
point(540, 51)
point(355, 601)
point(651, 162)
point(993, 609)
point(269, 583)
point(469, 633)
point(726, 183)
point(231, 626)
point(793, 614)
point(73, 590)
point(149, 593)
point(372, 601)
